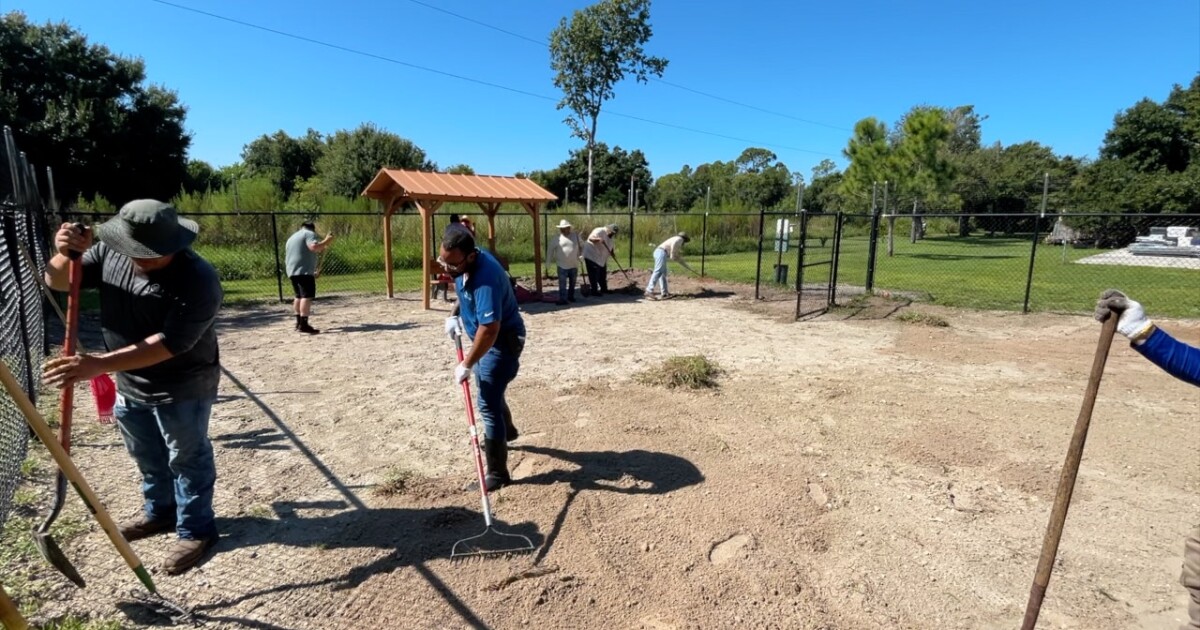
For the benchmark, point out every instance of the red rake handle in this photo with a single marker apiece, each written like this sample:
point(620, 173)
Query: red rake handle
point(66, 404)
point(466, 389)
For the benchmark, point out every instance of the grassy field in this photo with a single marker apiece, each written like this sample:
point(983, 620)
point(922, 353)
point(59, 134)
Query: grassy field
point(971, 272)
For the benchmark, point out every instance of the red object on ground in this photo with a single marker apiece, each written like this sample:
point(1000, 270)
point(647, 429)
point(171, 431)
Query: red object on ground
point(104, 393)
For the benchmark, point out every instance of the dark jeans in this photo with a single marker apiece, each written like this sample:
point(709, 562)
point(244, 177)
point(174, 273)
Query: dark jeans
point(566, 283)
point(169, 442)
point(495, 371)
point(597, 277)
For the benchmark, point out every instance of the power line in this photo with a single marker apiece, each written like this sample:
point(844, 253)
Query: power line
point(685, 88)
point(378, 57)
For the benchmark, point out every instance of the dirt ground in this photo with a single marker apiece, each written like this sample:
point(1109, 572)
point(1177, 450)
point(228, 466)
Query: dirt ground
point(850, 472)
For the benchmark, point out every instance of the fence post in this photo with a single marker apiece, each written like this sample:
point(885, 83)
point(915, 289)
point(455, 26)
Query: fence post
point(871, 251)
point(837, 254)
point(762, 218)
point(630, 239)
point(703, 243)
point(278, 265)
point(1037, 224)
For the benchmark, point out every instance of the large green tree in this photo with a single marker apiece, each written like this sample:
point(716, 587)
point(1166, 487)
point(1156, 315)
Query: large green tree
point(612, 172)
point(284, 159)
point(593, 51)
point(89, 114)
point(352, 158)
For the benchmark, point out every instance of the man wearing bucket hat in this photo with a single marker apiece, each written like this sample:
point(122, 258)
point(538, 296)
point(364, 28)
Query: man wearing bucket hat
point(564, 250)
point(596, 252)
point(158, 301)
point(670, 249)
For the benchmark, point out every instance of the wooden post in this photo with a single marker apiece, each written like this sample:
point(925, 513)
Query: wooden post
point(426, 252)
point(490, 210)
point(10, 616)
point(387, 245)
point(537, 246)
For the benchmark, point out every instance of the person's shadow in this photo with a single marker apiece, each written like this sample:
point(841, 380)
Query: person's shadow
point(623, 472)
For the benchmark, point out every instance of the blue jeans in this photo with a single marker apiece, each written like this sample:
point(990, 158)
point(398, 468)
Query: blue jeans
point(565, 277)
point(169, 442)
point(660, 271)
point(494, 372)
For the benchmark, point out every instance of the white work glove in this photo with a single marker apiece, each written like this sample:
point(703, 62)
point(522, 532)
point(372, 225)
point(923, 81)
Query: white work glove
point(1133, 322)
point(461, 373)
point(452, 327)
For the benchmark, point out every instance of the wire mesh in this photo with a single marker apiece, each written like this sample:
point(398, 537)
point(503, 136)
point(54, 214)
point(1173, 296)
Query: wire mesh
point(22, 333)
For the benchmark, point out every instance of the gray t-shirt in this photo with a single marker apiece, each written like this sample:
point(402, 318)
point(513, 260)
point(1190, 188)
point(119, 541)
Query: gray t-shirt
point(180, 302)
point(300, 261)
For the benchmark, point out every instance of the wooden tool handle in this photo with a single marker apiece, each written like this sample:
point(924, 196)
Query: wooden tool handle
point(1066, 482)
point(46, 435)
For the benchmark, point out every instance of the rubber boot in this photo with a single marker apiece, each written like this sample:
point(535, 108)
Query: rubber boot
point(298, 318)
point(496, 454)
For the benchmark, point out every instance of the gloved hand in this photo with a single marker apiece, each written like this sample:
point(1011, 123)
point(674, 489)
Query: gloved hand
point(1133, 322)
point(461, 373)
point(452, 327)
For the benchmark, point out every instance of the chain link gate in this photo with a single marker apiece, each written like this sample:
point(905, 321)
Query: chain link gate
point(817, 262)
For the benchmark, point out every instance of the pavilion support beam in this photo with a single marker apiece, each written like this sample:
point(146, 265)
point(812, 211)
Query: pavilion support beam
point(388, 205)
point(537, 249)
point(490, 210)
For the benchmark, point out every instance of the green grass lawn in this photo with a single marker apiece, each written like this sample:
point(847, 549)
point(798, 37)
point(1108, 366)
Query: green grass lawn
point(971, 272)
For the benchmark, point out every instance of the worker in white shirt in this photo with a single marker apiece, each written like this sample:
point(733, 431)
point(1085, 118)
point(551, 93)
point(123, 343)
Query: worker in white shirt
point(670, 249)
point(564, 250)
point(596, 252)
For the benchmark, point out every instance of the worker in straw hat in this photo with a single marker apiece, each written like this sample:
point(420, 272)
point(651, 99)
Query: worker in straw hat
point(158, 301)
point(565, 250)
point(596, 252)
point(1183, 362)
point(670, 249)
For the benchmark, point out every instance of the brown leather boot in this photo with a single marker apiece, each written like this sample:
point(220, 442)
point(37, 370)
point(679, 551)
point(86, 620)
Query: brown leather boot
point(184, 554)
point(145, 528)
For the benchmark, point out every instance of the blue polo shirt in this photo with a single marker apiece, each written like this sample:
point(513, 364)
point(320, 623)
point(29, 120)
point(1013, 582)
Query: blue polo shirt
point(1177, 358)
point(486, 296)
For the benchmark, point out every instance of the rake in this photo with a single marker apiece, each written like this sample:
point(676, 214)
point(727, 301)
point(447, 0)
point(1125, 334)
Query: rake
point(492, 541)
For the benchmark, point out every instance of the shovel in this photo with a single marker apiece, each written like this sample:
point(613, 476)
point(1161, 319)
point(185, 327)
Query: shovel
point(42, 538)
point(491, 541)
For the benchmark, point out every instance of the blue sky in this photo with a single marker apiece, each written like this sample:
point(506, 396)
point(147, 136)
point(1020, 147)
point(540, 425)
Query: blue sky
point(1055, 72)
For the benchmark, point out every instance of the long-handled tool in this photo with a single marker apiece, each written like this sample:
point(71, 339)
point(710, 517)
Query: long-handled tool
point(90, 500)
point(613, 256)
point(1066, 482)
point(10, 616)
point(45, 542)
point(104, 392)
point(492, 540)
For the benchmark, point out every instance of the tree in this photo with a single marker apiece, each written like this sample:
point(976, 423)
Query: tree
point(676, 192)
point(352, 158)
point(89, 114)
point(285, 159)
point(870, 159)
point(202, 177)
point(612, 172)
point(460, 169)
point(593, 51)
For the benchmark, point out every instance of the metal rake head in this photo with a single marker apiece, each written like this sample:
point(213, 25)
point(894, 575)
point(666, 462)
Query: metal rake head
point(491, 542)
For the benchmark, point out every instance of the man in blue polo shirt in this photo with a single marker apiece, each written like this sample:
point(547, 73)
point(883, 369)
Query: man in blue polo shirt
point(488, 310)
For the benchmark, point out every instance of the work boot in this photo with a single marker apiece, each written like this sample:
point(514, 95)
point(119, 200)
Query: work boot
point(185, 553)
point(305, 328)
point(145, 528)
point(298, 318)
point(496, 454)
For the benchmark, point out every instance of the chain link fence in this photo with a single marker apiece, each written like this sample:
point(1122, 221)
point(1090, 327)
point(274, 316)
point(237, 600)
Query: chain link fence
point(22, 332)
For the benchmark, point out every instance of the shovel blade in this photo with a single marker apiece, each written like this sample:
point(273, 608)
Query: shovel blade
point(57, 559)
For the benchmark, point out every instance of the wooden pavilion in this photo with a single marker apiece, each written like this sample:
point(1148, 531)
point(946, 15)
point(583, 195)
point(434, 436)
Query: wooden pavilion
point(429, 191)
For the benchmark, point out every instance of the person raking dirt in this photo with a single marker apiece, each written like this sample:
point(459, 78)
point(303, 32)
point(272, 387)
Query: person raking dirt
point(596, 252)
point(301, 265)
point(670, 249)
point(487, 308)
point(158, 302)
point(1183, 362)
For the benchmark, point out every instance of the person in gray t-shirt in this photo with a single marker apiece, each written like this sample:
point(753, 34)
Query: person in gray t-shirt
point(158, 302)
point(301, 266)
